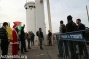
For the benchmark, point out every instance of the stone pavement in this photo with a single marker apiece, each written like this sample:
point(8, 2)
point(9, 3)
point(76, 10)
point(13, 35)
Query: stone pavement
point(49, 52)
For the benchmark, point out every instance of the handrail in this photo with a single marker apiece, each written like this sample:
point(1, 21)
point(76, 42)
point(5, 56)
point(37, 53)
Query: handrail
point(74, 31)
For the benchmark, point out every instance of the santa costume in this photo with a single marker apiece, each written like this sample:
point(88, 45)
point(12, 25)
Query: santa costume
point(14, 41)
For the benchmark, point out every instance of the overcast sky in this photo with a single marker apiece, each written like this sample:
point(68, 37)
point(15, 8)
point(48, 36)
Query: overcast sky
point(13, 10)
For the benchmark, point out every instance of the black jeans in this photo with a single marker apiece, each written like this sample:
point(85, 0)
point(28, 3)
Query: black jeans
point(4, 47)
point(23, 45)
point(50, 42)
point(61, 48)
point(72, 47)
point(29, 40)
point(32, 42)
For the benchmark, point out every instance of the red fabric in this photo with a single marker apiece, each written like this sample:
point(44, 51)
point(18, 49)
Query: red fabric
point(17, 23)
point(14, 35)
point(14, 26)
point(14, 49)
point(14, 46)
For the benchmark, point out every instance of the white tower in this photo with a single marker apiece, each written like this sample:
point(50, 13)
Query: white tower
point(40, 19)
point(30, 16)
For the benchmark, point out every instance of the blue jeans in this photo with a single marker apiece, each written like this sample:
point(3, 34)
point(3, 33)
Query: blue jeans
point(60, 44)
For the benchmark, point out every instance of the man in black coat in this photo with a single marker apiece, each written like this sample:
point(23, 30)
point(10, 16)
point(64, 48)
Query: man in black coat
point(49, 38)
point(32, 38)
point(22, 38)
point(4, 39)
point(70, 27)
point(40, 37)
point(81, 27)
point(60, 42)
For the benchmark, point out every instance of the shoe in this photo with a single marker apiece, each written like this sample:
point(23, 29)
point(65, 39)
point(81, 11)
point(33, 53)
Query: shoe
point(41, 48)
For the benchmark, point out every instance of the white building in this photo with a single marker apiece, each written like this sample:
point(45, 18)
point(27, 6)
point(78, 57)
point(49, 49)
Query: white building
point(35, 17)
point(30, 16)
point(40, 17)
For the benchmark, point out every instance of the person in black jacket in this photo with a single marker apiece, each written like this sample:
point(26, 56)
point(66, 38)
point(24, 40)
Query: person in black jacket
point(32, 38)
point(4, 39)
point(22, 38)
point(70, 27)
point(49, 38)
point(40, 37)
point(81, 27)
point(60, 42)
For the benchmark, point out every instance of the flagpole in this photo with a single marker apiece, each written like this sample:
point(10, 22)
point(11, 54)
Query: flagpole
point(87, 12)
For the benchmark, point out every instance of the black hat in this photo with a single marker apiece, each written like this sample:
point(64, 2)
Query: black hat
point(69, 17)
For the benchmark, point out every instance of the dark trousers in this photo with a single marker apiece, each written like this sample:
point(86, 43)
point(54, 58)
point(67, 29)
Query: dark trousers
point(61, 48)
point(81, 47)
point(50, 42)
point(32, 42)
point(23, 46)
point(29, 40)
point(66, 48)
point(19, 46)
point(4, 47)
point(40, 41)
point(72, 47)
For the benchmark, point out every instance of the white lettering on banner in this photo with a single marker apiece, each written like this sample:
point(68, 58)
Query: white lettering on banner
point(64, 36)
point(78, 36)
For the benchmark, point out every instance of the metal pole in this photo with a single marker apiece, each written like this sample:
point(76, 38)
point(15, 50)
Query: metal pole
point(87, 12)
point(49, 15)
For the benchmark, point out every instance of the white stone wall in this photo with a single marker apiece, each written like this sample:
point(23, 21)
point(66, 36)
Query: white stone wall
point(30, 17)
point(40, 17)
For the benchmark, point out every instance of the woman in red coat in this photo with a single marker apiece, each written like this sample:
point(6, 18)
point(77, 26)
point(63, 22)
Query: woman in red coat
point(14, 41)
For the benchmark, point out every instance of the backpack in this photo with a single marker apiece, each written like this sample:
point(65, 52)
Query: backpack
point(37, 33)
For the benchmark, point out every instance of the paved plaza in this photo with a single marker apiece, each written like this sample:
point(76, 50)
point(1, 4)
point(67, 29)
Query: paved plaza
point(49, 52)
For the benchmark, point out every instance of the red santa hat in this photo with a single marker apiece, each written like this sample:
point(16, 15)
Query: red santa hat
point(14, 26)
point(16, 23)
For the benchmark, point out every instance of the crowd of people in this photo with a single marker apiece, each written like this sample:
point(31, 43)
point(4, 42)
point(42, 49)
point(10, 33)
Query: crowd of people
point(13, 36)
point(70, 27)
point(17, 38)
